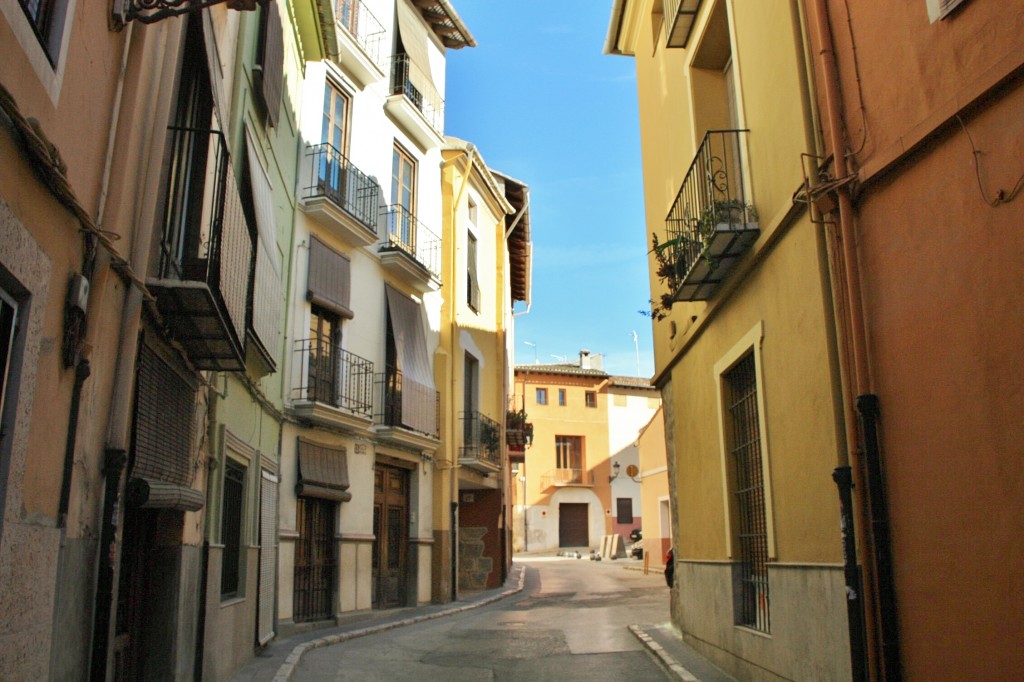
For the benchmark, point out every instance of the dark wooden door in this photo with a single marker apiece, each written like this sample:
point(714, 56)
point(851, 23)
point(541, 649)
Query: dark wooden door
point(132, 593)
point(573, 524)
point(391, 530)
point(314, 560)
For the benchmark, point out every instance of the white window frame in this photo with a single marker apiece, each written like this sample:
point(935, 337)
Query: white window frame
point(50, 76)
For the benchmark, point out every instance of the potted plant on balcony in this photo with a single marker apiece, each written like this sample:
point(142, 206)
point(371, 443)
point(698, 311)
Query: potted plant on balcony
point(675, 257)
point(518, 430)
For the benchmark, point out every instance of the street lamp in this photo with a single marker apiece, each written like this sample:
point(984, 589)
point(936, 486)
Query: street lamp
point(615, 472)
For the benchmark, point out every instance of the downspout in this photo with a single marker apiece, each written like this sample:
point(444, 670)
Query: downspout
point(855, 338)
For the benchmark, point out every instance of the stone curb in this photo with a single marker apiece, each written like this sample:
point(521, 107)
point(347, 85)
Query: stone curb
point(664, 657)
point(284, 673)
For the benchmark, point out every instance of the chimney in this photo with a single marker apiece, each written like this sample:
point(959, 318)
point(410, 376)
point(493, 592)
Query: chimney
point(584, 359)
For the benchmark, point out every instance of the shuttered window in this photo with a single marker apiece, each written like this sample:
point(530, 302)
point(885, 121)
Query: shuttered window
point(269, 71)
point(330, 278)
point(266, 296)
point(323, 472)
point(164, 422)
point(268, 556)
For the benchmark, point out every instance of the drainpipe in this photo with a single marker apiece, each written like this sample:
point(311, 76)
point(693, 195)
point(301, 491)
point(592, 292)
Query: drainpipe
point(854, 336)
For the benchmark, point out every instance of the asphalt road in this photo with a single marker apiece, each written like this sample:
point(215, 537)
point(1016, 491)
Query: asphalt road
point(569, 623)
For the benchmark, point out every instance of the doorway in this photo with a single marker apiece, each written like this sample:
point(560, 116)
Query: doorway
point(391, 533)
point(314, 560)
point(573, 522)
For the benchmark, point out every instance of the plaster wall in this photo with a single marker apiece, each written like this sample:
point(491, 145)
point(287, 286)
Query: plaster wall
point(230, 624)
point(800, 594)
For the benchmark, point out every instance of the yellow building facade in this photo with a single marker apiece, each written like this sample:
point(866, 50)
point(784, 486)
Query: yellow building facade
point(744, 351)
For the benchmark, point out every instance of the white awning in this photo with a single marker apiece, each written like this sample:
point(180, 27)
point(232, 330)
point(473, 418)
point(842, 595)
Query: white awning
point(413, 362)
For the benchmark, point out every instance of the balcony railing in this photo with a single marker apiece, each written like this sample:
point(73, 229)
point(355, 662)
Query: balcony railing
point(333, 176)
point(567, 477)
point(419, 411)
point(711, 223)
point(406, 234)
point(354, 17)
point(518, 430)
point(206, 249)
point(333, 376)
point(481, 440)
point(409, 80)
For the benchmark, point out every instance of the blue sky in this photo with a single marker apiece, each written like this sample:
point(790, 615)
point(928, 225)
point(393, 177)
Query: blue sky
point(544, 105)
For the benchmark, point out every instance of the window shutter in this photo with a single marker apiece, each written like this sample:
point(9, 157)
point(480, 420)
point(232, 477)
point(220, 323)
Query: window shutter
point(330, 278)
point(267, 297)
point(268, 555)
point(270, 62)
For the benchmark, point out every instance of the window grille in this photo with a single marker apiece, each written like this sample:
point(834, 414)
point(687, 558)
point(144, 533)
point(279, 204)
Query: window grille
point(750, 525)
point(231, 528)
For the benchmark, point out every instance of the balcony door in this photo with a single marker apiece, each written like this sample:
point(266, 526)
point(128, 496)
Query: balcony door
point(471, 401)
point(324, 355)
point(569, 457)
point(403, 196)
point(334, 136)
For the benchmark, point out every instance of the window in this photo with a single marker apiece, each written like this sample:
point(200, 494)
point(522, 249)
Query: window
point(569, 452)
point(8, 324)
point(591, 397)
point(748, 488)
point(47, 19)
point(269, 71)
point(334, 126)
point(231, 528)
point(471, 208)
point(472, 281)
point(624, 510)
point(561, 397)
point(542, 396)
point(403, 197)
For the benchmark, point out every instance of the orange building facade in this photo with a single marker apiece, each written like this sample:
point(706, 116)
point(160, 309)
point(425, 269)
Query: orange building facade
point(920, 194)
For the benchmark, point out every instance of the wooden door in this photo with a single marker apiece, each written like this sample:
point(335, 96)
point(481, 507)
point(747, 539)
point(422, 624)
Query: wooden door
point(573, 525)
point(314, 560)
point(391, 530)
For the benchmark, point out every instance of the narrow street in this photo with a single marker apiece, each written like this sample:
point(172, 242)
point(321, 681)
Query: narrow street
point(569, 623)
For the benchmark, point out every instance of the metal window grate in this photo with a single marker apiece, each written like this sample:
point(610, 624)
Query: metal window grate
point(231, 528)
point(748, 487)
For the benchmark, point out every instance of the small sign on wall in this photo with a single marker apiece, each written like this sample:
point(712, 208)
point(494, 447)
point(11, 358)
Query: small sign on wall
point(468, 498)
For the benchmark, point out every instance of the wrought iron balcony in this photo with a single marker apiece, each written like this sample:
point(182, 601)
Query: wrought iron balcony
point(333, 376)
point(408, 405)
point(518, 431)
point(363, 33)
point(206, 249)
point(415, 102)
point(411, 248)
point(340, 195)
point(481, 442)
point(560, 478)
point(711, 224)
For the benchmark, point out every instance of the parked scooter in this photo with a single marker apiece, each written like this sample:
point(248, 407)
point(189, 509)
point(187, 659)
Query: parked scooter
point(636, 550)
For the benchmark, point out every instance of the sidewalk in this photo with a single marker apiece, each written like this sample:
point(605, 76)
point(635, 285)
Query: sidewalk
point(277, 662)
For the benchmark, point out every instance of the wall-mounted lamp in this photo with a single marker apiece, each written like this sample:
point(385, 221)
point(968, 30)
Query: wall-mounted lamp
point(426, 460)
point(615, 472)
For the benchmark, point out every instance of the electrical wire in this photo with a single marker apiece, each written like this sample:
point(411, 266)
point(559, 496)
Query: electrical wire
point(1002, 196)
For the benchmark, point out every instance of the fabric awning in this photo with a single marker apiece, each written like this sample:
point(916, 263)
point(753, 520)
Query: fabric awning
point(414, 39)
point(329, 281)
point(148, 493)
point(266, 317)
point(413, 362)
point(323, 472)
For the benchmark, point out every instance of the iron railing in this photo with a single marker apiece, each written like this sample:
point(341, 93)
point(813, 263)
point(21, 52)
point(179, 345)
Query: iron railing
point(481, 438)
point(407, 234)
point(333, 176)
point(713, 194)
point(356, 18)
point(566, 477)
point(518, 430)
point(334, 376)
point(421, 411)
point(205, 238)
point(409, 80)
